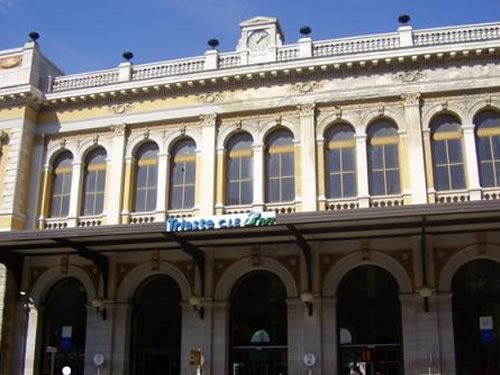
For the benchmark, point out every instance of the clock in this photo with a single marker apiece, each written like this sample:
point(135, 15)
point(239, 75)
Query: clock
point(259, 40)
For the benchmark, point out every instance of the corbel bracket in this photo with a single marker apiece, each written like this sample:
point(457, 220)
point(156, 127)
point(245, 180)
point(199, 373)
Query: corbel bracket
point(195, 253)
point(99, 260)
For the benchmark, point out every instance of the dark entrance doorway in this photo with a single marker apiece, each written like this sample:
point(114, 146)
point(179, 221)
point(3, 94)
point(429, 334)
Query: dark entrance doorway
point(258, 326)
point(156, 328)
point(64, 328)
point(476, 318)
point(369, 323)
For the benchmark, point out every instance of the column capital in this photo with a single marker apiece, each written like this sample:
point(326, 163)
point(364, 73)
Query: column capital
point(118, 129)
point(411, 99)
point(469, 129)
point(208, 119)
point(307, 109)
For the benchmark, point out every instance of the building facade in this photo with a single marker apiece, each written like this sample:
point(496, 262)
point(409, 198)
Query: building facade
point(320, 207)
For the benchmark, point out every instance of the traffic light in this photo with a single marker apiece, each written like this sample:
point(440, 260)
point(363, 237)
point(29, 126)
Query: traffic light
point(195, 358)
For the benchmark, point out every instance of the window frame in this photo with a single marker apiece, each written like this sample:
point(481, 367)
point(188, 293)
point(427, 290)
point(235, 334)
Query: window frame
point(99, 171)
point(66, 173)
point(148, 163)
point(281, 151)
point(185, 160)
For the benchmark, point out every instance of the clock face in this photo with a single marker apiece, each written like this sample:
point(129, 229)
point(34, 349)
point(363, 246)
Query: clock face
point(259, 40)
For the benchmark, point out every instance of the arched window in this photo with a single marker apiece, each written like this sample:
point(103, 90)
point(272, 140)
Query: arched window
point(280, 167)
point(340, 162)
point(61, 185)
point(146, 178)
point(383, 158)
point(476, 313)
point(258, 326)
point(64, 327)
point(156, 327)
point(488, 147)
point(94, 182)
point(239, 179)
point(447, 159)
point(183, 175)
point(369, 324)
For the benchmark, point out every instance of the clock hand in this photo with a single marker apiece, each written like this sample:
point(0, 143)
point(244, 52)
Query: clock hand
point(260, 39)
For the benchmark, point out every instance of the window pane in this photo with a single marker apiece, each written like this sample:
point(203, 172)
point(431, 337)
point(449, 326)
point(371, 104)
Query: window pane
point(273, 165)
point(89, 205)
point(497, 177)
point(348, 161)
point(153, 175)
point(57, 184)
point(333, 160)
point(233, 169)
point(273, 191)
point(233, 193)
point(377, 183)
point(375, 157)
point(90, 182)
point(151, 200)
point(496, 146)
point(246, 192)
point(140, 197)
point(190, 172)
point(101, 180)
point(288, 186)
point(247, 167)
point(487, 178)
point(455, 150)
point(441, 178)
point(483, 148)
point(99, 200)
point(457, 177)
point(65, 206)
point(287, 164)
point(176, 198)
point(141, 176)
point(177, 173)
point(391, 156)
point(334, 188)
point(56, 206)
point(393, 182)
point(350, 189)
point(189, 197)
point(439, 152)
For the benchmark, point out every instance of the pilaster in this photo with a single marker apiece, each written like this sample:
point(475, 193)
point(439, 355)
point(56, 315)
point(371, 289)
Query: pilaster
point(471, 166)
point(208, 171)
point(117, 173)
point(362, 171)
point(163, 178)
point(75, 198)
point(308, 156)
point(258, 176)
point(414, 142)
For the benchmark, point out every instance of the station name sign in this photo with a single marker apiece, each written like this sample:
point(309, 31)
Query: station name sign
point(247, 220)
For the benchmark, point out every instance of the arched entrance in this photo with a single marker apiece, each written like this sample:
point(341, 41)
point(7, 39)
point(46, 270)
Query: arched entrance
point(476, 318)
point(156, 327)
point(64, 328)
point(369, 323)
point(258, 326)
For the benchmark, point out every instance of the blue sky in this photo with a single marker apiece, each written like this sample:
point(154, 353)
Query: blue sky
point(92, 34)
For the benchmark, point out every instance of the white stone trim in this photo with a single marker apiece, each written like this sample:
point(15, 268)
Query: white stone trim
point(457, 261)
point(354, 260)
point(236, 271)
point(53, 275)
point(143, 272)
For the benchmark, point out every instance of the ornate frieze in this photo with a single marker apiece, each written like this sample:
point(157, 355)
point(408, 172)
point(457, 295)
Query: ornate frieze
point(210, 97)
point(305, 87)
point(409, 76)
point(120, 109)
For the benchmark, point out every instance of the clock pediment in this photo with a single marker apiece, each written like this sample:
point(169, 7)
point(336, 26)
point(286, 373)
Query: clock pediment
point(260, 37)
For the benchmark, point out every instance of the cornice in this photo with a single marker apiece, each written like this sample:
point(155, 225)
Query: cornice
point(204, 83)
